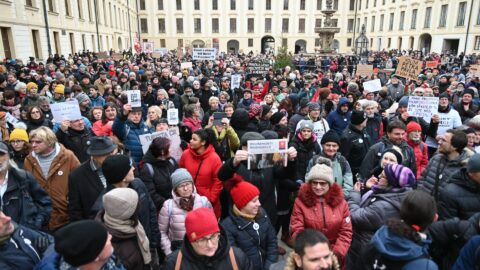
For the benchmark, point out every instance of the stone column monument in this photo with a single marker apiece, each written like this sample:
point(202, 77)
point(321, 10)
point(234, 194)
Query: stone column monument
point(328, 31)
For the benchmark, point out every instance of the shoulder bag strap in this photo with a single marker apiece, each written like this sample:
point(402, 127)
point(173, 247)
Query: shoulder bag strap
point(198, 171)
point(232, 259)
point(178, 262)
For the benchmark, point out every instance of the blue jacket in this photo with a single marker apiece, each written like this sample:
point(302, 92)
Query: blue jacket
point(98, 101)
point(260, 247)
point(469, 257)
point(338, 120)
point(129, 133)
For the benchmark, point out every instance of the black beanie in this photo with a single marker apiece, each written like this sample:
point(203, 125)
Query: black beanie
point(325, 82)
point(330, 136)
point(276, 117)
point(115, 168)
point(468, 91)
point(80, 242)
point(357, 117)
point(265, 109)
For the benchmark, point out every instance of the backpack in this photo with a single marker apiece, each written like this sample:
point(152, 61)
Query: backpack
point(203, 199)
point(149, 167)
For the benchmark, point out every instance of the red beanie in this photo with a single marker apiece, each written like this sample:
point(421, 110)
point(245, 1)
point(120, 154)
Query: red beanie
point(242, 193)
point(413, 126)
point(199, 223)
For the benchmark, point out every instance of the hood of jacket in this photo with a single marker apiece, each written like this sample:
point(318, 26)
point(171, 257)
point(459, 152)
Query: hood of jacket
point(239, 120)
point(395, 247)
point(341, 102)
point(210, 150)
point(333, 197)
point(462, 179)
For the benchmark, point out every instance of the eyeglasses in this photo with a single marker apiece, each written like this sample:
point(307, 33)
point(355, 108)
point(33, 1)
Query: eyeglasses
point(319, 183)
point(16, 142)
point(203, 241)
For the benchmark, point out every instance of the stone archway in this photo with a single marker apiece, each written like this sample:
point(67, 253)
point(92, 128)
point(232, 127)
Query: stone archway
point(198, 43)
point(268, 45)
point(300, 46)
point(425, 43)
point(233, 46)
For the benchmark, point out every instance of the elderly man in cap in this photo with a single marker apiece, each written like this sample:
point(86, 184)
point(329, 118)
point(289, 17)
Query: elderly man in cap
point(101, 82)
point(87, 182)
point(75, 136)
point(128, 126)
point(82, 245)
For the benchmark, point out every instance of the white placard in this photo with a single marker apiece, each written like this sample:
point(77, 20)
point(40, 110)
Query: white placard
point(172, 133)
point(186, 65)
point(69, 110)
point(267, 153)
point(423, 107)
point(161, 51)
point(236, 79)
point(172, 116)
point(204, 53)
point(11, 119)
point(373, 85)
point(148, 47)
point(134, 98)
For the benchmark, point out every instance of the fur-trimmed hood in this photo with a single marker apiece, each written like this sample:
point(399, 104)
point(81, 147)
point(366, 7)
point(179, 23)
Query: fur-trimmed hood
point(333, 197)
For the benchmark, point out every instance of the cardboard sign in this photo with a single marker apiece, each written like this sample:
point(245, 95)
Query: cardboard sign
point(161, 51)
point(102, 55)
point(147, 47)
point(370, 59)
point(134, 98)
point(172, 116)
point(117, 56)
point(186, 65)
point(172, 134)
point(258, 67)
point(475, 70)
point(423, 107)
point(236, 79)
point(69, 110)
point(373, 85)
point(156, 55)
point(431, 64)
point(267, 153)
point(204, 53)
point(409, 68)
point(364, 70)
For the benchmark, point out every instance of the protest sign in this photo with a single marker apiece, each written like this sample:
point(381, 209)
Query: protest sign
point(172, 134)
point(423, 107)
point(156, 55)
point(102, 55)
point(409, 68)
point(373, 85)
point(475, 70)
point(117, 56)
point(370, 59)
point(134, 98)
point(236, 81)
point(161, 51)
point(431, 64)
point(204, 53)
point(179, 52)
point(266, 153)
point(69, 110)
point(364, 70)
point(11, 119)
point(172, 116)
point(258, 67)
point(147, 47)
point(185, 65)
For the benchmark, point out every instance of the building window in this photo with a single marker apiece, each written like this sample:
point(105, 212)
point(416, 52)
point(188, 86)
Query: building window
point(443, 16)
point(29, 3)
point(233, 25)
point(302, 4)
point(335, 4)
point(389, 42)
point(67, 8)
point(414, 19)
point(382, 18)
point(284, 25)
point(233, 4)
point(428, 15)
point(319, 4)
point(349, 42)
point(51, 7)
point(476, 47)
point(215, 4)
point(462, 8)
point(268, 5)
point(352, 5)
point(350, 25)
point(392, 18)
point(402, 20)
point(180, 43)
point(284, 42)
point(335, 22)
point(161, 25)
point(358, 25)
point(160, 4)
point(478, 15)
point(250, 4)
point(197, 25)
point(250, 42)
point(317, 42)
point(301, 25)
point(179, 4)
point(268, 25)
point(162, 43)
point(359, 5)
point(142, 5)
point(285, 4)
point(373, 24)
point(215, 28)
point(251, 25)
point(196, 4)
point(179, 25)
point(318, 23)
point(143, 25)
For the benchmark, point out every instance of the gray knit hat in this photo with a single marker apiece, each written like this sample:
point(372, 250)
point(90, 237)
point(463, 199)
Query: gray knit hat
point(250, 136)
point(180, 176)
point(120, 203)
point(305, 124)
point(82, 97)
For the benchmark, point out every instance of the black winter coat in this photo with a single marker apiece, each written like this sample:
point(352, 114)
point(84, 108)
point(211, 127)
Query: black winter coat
point(76, 141)
point(466, 115)
point(373, 128)
point(34, 124)
point(354, 145)
point(259, 245)
point(460, 197)
point(306, 149)
point(159, 184)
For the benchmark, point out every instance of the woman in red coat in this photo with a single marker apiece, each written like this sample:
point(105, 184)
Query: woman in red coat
point(320, 206)
point(203, 163)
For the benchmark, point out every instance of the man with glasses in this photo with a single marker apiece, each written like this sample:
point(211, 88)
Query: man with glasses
point(205, 246)
point(87, 182)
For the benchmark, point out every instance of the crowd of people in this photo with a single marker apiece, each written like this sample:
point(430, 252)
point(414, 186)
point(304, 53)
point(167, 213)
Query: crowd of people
point(365, 185)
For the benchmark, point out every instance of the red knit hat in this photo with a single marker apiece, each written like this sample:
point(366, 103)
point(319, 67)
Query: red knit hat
point(242, 193)
point(199, 223)
point(413, 126)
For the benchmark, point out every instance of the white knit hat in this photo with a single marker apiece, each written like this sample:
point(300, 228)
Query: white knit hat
point(120, 203)
point(321, 172)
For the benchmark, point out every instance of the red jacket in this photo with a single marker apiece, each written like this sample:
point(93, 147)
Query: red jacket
point(333, 221)
point(421, 156)
point(101, 129)
point(192, 124)
point(207, 166)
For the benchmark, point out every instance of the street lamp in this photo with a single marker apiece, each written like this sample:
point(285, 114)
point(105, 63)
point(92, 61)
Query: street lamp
point(361, 45)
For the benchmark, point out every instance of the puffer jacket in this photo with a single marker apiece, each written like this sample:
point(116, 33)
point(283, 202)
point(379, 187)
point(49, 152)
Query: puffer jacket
point(102, 129)
point(439, 170)
point(159, 184)
point(338, 120)
point(328, 214)
point(306, 149)
point(460, 197)
point(354, 145)
point(203, 169)
point(228, 141)
point(129, 133)
point(171, 219)
point(369, 214)
point(375, 128)
point(259, 245)
point(342, 173)
point(396, 91)
point(56, 183)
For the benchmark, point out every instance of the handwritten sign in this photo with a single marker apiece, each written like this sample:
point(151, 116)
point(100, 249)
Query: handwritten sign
point(431, 64)
point(373, 85)
point(172, 116)
point(409, 68)
point(134, 98)
point(204, 53)
point(236, 81)
point(102, 55)
point(423, 107)
point(147, 47)
point(185, 65)
point(364, 70)
point(258, 67)
point(172, 134)
point(117, 56)
point(69, 110)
